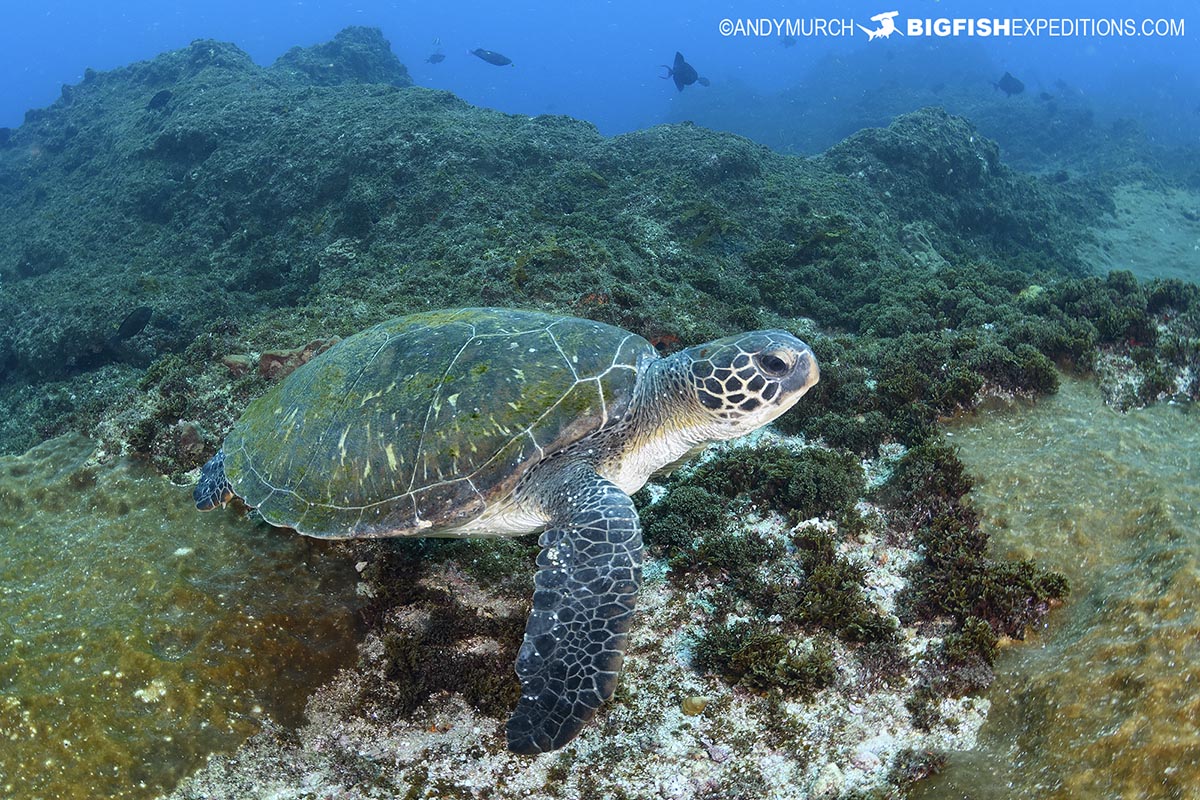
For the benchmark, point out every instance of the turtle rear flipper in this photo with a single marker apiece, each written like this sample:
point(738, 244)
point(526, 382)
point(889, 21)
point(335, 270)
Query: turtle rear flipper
point(213, 488)
point(584, 593)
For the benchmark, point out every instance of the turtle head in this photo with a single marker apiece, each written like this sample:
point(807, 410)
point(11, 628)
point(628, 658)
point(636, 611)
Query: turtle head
point(742, 382)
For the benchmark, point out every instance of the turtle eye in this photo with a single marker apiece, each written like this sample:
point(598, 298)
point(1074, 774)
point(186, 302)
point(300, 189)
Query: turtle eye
point(772, 364)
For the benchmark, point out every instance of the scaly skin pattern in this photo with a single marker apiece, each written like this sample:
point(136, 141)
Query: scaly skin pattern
point(213, 488)
point(589, 571)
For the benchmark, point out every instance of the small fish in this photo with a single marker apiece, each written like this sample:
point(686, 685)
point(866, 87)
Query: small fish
point(159, 100)
point(114, 349)
point(789, 41)
point(492, 57)
point(1009, 85)
point(133, 323)
point(683, 73)
point(436, 58)
point(1045, 97)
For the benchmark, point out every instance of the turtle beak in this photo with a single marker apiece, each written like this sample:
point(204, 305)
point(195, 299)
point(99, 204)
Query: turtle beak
point(805, 373)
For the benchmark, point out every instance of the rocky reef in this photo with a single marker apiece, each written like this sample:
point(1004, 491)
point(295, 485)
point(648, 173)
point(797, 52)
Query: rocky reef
point(771, 657)
point(822, 611)
point(243, 209)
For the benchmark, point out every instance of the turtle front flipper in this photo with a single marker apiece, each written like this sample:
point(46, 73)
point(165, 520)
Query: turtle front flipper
point(584, 593)
point(213, 488)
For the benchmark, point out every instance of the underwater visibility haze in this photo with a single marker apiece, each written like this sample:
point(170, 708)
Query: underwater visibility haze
point(964, 564)
point(599, 61)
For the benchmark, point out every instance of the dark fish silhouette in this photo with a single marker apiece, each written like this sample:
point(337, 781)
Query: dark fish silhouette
point(1045, 97)
point(492, 57)
point(789, 41)
point(113, 349)
point(683, 73)
point(133, 323)
point(159, 100)
point(436, 58)
point(1009, 85)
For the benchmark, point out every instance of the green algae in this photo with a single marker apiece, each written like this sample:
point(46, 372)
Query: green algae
point(812, 483)
point(444, 644)
point(760, 658)
point(957, 577)
point(801, 590)
point(1103, 702)
point(138, 636)
point(300, 209)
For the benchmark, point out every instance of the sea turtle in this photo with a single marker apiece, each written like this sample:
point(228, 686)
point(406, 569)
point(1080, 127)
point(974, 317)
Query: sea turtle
point(489, 421)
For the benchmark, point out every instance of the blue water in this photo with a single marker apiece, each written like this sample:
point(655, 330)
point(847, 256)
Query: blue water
point(600, 60)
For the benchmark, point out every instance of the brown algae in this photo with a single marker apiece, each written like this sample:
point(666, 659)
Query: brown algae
point(1104, 702)
point(139, 636)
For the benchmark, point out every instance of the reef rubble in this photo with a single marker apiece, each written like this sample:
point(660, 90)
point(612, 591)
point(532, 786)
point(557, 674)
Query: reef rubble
point(856, 737)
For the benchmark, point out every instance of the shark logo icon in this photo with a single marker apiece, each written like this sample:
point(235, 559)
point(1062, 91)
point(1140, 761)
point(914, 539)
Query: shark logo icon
point(887, 26)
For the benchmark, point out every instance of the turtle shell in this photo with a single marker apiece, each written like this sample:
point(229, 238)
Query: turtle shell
point(421, 422)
